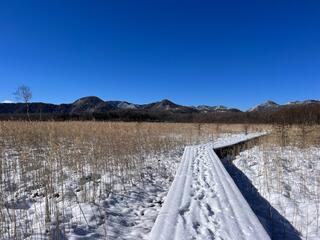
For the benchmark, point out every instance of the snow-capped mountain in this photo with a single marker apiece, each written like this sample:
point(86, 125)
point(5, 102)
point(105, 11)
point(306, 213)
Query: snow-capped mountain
point(266, 106)
point(219, 108)
point(303, 102)
point(167, 105)
point(269, 105)
point(123, 105)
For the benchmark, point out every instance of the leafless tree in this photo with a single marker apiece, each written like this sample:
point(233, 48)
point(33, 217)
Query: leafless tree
point(23, 93)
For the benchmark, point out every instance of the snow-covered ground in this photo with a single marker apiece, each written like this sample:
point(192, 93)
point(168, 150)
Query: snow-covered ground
point(204, 203)
point(83, 207)
point(282, 186)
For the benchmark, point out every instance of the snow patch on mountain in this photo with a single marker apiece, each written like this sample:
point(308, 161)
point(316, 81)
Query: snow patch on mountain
point(268, 105)
point(7, 101)
point(123, 105)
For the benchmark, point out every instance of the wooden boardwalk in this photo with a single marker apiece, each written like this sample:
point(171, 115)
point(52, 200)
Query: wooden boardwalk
point(204, 202)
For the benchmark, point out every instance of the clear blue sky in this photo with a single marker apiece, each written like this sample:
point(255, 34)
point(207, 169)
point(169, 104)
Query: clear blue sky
point(235, 53)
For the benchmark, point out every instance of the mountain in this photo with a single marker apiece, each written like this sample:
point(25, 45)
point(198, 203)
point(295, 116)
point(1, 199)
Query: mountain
point(270, 106)
point(220, 108)
point(89, 105)
point(167, 105)
point(306, 102)
point(7, 101)
point(266, 106)
point(123, 105)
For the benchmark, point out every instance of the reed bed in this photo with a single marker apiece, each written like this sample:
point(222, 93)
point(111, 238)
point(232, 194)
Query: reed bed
point(55, 164)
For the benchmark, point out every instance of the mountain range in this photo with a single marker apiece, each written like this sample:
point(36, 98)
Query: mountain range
point(92, 104)
point(94, 108)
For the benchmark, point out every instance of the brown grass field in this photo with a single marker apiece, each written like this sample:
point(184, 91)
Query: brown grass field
point(38, 158)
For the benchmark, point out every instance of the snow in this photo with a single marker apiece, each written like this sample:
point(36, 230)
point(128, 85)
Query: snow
point(7, 101)
point(286, 180)
point(266, 105)
point(123, 105)
point(212, 206)
point(235, 139)
point(128, 213)
point(204, 203)
point(302, 102)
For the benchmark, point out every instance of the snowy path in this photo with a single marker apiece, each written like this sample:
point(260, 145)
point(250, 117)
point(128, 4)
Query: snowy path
point(204, 203)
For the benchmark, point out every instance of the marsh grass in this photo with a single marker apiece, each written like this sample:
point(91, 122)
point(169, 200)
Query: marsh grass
point(290, 171)
point(57, 164)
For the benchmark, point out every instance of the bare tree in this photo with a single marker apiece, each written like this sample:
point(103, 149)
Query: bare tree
point(23, 93)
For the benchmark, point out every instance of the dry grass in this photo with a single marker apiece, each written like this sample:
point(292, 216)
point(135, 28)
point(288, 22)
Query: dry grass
point(302, 136)
point(39, 160)
point(36, 154)
point(288, 170)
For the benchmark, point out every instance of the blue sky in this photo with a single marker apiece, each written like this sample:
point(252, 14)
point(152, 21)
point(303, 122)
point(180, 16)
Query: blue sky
point(235, 53)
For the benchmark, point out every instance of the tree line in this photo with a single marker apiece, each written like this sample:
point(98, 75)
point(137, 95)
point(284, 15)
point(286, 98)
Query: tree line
point(300, 114)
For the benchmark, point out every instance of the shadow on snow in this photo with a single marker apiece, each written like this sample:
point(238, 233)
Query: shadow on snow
point(277, 226)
